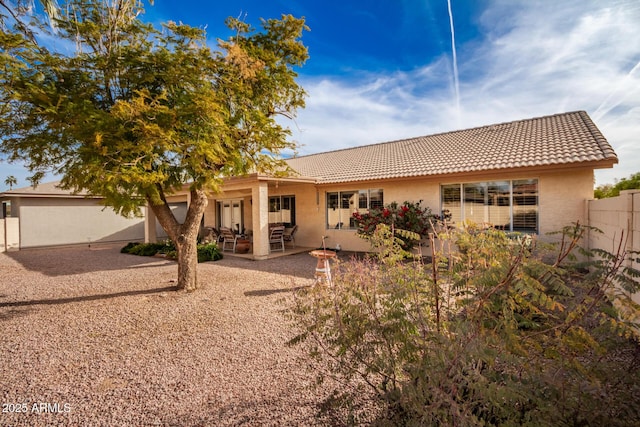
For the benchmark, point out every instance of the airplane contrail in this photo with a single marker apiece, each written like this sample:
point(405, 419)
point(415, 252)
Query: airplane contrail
point(603, 109)
point(456, 82)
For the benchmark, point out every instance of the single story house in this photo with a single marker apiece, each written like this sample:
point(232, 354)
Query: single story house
point(532, 175)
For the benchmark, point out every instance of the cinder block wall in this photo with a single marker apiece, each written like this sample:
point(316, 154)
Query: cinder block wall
point(618, 218)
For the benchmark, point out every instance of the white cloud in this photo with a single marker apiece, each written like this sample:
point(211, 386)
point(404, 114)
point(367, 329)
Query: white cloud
point(537, 58)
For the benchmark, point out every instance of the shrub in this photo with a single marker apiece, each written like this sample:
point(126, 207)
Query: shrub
point(412, 218)
point(609, 190)
point(147, 249)
point(143, 249)
point(127, 248)
point(209, 252)
point(485, 335)
point(166, 246)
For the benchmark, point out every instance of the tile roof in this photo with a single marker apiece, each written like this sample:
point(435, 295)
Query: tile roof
point(45, 189)
point(561, 139)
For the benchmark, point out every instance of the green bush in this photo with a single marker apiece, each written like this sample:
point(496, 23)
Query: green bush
point(609, 190)
point(143, 249)
point(127, 248)
point(209, 252)
point(484, 334)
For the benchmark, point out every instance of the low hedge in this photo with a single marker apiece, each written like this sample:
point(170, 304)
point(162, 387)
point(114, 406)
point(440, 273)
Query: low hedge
point(206, 252)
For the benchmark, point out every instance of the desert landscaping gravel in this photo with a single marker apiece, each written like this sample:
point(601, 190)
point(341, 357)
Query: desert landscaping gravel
point(93, 337)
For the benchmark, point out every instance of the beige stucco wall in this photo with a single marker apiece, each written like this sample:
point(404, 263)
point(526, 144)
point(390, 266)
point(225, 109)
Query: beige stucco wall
point(58, 221)
point(309, 212)
point(399, 191)
point(562, 200)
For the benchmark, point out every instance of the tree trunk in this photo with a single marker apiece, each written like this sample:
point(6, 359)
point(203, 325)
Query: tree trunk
point(187, 250)
point(185, 237)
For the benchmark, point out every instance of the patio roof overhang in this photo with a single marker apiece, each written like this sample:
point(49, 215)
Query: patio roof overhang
point(247, 181)
point(244, 185)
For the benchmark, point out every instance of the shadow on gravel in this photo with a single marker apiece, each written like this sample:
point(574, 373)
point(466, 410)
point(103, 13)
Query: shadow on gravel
point(86, 298)
point(12, 313)
point(300, 265)
point(267, 292)
point(55, 262)
point(79, 260)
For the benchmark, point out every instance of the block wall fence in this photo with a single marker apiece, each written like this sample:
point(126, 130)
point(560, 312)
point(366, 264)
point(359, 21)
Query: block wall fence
point(619, 220)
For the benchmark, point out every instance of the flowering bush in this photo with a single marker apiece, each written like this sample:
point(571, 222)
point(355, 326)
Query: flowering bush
point(409, 216)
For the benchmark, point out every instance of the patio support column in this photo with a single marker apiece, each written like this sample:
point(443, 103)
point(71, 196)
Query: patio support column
point(149, 226)
point(260, 214)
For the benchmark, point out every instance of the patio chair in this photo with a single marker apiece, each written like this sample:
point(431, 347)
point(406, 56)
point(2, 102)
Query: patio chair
point(208, 235)
point(289, 235)
point(276, 237)
point(229, 237)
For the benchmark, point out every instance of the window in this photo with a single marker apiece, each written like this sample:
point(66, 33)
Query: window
point(341, 206)
point(525, 205)
point(508, 205)
point(282, 210)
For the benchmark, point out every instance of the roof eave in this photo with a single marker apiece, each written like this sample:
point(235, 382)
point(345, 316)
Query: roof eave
point(600, 164)
point(9, 194)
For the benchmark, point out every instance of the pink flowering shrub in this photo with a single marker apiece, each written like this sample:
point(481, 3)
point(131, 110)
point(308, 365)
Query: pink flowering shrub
point(408, 216)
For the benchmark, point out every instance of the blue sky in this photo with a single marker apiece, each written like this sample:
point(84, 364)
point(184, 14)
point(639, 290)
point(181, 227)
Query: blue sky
point(383, 70)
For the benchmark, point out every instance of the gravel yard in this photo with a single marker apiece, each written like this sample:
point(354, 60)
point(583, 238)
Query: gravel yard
point(94, 337)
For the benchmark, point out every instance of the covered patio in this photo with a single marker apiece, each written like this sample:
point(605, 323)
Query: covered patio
point(251, 206)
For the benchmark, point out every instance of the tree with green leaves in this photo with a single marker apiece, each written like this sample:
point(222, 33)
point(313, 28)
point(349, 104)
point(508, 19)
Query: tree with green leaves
point(136, 113)
point(609, 190)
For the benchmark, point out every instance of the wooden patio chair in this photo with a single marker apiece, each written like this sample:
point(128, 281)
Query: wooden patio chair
point(229, 237)
point(290, 235)
point(276, 237)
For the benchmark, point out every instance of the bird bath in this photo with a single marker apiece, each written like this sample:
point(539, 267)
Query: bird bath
point(323, 269)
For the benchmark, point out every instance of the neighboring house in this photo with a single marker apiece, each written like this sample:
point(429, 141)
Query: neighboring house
point(532, 175)
point(48, 216)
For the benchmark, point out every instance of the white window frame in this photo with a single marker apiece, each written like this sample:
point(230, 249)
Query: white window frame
point(339, 216)
point(461, 215)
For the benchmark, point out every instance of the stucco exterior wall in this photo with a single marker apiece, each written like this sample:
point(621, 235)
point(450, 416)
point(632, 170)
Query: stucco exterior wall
point(399, 191)
point(562, 199)
point(309, 212)
point(58, 221)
